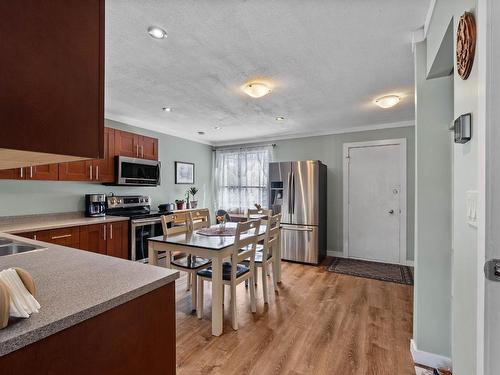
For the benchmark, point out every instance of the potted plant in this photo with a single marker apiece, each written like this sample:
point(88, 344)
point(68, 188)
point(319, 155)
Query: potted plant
point(193, 190)
point(179, 203)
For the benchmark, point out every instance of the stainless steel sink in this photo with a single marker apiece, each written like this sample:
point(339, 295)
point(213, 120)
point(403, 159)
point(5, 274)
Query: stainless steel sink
point(10, 247)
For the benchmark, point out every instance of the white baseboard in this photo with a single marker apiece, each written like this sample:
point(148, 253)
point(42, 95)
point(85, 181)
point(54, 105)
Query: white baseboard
point(428, 359)
point(335, 253)
point(409, 263)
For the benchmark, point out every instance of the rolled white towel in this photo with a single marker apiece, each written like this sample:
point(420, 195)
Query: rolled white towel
point(22, 302)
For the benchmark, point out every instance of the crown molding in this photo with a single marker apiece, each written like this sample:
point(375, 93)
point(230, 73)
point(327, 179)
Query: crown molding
point(401, 124)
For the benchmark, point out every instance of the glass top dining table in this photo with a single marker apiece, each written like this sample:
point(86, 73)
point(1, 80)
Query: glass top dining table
point(215, 248)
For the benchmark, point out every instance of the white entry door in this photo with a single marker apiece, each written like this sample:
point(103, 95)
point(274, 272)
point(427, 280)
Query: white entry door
point(376, 201)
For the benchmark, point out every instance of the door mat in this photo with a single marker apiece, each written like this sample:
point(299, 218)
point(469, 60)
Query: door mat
point(393, 273)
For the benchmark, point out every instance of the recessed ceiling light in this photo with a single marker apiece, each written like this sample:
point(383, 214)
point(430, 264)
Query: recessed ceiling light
point(387, 101)
point(157, 32)
point(217, 128)
point(167, 109)
point(256, 89)
point(279, 118)
point(201, 133)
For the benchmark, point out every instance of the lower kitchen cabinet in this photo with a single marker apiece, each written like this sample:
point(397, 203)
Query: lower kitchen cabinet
point(92, 238)
point(117, 241)
point(108, 238)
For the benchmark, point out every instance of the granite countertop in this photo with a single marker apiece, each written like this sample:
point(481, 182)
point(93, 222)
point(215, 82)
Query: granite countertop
point(29, 223)
point(72, 286)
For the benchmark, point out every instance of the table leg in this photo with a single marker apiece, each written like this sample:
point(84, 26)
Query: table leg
point(152, 255)
point(217, 308)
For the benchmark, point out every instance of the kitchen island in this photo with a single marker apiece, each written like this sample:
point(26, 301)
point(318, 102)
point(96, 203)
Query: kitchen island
point(99, 315)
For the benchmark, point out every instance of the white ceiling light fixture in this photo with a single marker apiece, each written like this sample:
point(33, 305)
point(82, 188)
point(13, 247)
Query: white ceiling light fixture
point(157, 32)
point(256, 89)
point(280, 118)
point(167, 109)
point(217, 128)
point(387, 101)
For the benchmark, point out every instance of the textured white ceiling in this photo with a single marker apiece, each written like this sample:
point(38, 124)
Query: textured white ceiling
point(327, 61)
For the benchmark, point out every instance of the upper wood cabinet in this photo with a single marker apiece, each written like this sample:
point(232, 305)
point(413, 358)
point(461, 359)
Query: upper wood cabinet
point(116, 143)
point(105, 168)
point(99, 170)
point(148, 147)
point(52, 69)
point(135, 145)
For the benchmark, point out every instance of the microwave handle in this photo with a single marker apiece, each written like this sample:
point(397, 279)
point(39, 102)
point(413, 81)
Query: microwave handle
point(158, 173)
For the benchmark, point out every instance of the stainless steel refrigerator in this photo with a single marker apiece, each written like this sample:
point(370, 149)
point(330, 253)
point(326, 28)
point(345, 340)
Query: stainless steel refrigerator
point(298, 192)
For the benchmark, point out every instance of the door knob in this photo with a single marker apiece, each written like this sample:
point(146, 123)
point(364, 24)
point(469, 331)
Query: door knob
point(391, 212)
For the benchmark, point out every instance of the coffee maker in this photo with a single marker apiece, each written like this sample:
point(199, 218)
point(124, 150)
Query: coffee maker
point(95, 205)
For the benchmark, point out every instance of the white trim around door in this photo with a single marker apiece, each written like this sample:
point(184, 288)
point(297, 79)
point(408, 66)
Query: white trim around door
point(402, 196)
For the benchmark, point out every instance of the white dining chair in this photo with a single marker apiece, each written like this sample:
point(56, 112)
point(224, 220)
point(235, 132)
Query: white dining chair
point(182, 223)
point(234, 272)
point(267, 257)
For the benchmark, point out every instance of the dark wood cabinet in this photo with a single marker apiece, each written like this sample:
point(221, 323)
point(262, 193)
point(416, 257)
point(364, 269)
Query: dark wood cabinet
point(69, 237)
point(92, 238)
point(116, 143)
point(42, 172)
point(126, 144)
point(148, 148)
point(135, 145)
point(117, 241)
point(106, 238)
point(76, 171)
point(105, 168)
point(52, 96)
point(11, 174)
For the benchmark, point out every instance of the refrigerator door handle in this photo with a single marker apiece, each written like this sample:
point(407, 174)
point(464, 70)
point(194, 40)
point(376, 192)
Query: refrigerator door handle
point(290, 195)
point(298, 229)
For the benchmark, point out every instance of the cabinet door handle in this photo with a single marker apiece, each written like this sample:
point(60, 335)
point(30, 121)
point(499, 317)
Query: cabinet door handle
point(142, 151)
point(61, 236)
point(97, 173)
point(104, 232)
point(34, 236)
point(31, 172)
point(90, 167)
point(110, 231)
point(137, 150)
point(22, 172)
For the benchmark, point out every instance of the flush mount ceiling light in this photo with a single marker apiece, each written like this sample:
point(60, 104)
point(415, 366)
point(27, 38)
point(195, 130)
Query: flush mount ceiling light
point(256, 89)
point(217, 128)
point(167, 109)
point(280, 118)
point(387, 101)
point(157, 32)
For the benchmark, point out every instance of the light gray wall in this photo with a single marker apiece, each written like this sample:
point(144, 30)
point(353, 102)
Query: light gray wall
point(328, 149)
point(433, 198)
point(465, 261)
point(33, 197)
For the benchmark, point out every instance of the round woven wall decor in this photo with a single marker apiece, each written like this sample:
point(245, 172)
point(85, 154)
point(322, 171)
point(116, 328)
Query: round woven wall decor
point(466, 44)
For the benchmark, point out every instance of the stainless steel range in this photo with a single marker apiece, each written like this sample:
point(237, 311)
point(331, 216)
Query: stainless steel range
point(144, 222)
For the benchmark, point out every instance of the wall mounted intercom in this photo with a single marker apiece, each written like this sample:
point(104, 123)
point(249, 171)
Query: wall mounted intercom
point(463, 128)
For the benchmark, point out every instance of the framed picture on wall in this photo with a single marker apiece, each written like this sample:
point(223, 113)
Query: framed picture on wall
point(184, 172)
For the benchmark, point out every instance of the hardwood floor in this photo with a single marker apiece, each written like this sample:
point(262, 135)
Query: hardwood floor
point(319, 323)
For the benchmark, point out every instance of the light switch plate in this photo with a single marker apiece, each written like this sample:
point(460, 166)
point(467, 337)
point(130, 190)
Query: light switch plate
point(472, 207)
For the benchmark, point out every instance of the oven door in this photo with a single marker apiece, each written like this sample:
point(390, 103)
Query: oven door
point(137, 172)
point(141, 230)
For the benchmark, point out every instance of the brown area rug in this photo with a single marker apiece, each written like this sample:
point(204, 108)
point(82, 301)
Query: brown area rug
point(393, 273)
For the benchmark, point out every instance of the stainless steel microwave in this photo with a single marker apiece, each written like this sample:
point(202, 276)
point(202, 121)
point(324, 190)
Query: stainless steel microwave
point(137, 172)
